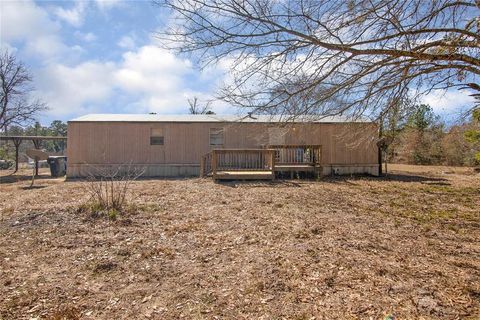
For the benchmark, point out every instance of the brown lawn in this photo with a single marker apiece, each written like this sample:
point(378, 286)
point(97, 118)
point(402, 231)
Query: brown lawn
point(351, 247)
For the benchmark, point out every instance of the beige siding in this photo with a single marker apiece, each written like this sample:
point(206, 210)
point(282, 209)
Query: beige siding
point(185, 143)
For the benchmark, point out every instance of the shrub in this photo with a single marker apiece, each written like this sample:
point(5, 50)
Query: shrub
point(112, 214)
point(108, 189)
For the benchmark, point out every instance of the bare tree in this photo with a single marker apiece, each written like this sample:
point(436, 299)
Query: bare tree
point(196, 108)
point(352, 57)
point(16, 105)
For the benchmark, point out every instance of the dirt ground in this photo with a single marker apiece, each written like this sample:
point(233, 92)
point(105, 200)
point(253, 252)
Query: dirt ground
point(404, 246)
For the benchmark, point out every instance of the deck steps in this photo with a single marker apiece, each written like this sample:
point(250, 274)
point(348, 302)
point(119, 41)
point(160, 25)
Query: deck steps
point(244, 175)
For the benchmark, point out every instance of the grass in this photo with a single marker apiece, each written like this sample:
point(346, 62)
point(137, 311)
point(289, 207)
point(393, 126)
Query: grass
point(8, 211)
point(349, 247)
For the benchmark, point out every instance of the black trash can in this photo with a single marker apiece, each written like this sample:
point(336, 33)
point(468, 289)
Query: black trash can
point(58, 165)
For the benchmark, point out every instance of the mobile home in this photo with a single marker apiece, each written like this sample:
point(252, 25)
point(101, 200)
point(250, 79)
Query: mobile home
point(173, 145)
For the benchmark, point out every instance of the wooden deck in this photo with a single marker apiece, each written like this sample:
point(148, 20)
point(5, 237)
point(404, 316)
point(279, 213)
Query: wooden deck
point(260, 164)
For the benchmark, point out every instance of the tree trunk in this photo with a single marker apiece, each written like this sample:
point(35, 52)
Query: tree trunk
point(16, 158)
point(385, 155)
point(16, 143)
point(380, 133)
point(37, 143)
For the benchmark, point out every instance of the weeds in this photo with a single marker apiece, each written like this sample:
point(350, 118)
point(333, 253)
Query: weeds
point(66, 313)
point(96, 210)
point(112, 214)
point(150, 208)
point(108, 189)
point(104, 267)
point(8, 210)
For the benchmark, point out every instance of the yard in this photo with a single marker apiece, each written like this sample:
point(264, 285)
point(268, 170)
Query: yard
point(405, 246)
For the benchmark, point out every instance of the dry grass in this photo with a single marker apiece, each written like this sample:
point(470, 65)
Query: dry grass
point(352, 247)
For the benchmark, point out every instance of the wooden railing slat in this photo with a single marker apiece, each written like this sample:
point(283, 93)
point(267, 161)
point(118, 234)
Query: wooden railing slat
point(297, 154)
point(241, 159)
point(259, 159)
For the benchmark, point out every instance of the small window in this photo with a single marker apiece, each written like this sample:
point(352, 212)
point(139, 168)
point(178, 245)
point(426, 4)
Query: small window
point(156, 141)
point(156, 137)
point(216, 136)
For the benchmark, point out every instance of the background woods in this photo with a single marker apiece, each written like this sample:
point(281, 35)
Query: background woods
point(421, 137)
point(56, 128)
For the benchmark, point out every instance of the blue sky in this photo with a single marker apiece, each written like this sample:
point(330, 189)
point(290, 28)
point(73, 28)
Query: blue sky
point(103, 57)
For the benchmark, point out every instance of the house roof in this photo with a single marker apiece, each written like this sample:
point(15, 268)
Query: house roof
point(212, 118)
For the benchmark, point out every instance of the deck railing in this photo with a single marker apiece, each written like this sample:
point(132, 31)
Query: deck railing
point(265, 159)
point(297, 154)
point(243, 160)
point(206, 165)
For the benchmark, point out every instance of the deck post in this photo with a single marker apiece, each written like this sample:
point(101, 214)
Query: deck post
point(202, 166)
point(272, 162)
point(37, 144)
point(214, 164)
point(16, 143)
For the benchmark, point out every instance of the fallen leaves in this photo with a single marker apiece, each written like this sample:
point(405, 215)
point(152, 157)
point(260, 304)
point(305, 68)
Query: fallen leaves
point(339, 248)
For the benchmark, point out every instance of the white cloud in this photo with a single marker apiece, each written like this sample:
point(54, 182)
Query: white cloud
point(73, 89)
point(47, 46)
point(25, 21)
point(87, 37)
point(145, 79)
point(154, 62)
point(150, 79)
point(74, 16)
point(126, 42)
point(107, 4)
point(157, 76)
point(7, 47)
point(449, 101)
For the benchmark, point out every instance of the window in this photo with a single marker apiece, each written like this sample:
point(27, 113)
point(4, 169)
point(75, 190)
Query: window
point(156, 141)
point(156, 137)
point(216, 136)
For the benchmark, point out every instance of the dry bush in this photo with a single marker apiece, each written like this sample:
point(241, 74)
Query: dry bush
point(109, 187)
point(66, 313)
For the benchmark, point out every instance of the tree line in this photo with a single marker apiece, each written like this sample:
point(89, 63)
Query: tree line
point(421, 137)
point(56, 128)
